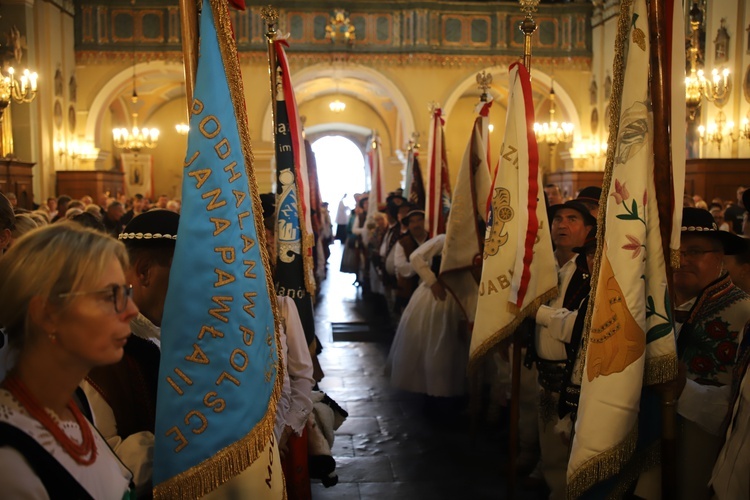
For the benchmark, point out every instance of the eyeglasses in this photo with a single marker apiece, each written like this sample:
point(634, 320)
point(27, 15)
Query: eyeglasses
point(120, 295)
point(694, 253)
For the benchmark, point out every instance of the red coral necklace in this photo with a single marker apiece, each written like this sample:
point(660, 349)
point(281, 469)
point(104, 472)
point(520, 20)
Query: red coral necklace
point(78, 452)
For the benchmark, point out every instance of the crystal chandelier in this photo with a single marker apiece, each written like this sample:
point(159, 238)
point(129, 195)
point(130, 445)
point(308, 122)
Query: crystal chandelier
point(136, 138)
point(553, 133)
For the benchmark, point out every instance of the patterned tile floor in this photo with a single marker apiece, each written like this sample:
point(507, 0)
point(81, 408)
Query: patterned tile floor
point(388, 448)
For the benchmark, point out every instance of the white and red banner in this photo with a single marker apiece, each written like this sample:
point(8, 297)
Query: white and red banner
point(518, 273)
point(438, 203)
point(464, 236)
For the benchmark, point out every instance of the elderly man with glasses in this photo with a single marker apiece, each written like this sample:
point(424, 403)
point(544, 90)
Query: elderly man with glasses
point(710, 315)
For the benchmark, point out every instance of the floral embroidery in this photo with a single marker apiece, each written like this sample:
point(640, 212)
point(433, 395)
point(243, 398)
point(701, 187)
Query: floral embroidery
point(713, 349)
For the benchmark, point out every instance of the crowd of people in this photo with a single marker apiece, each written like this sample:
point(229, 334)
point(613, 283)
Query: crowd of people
point(81, 340)
point(397, 264)
point(81, 346)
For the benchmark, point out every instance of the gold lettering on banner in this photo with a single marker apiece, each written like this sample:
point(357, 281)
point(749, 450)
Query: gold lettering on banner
point(240, 217)
point(179, 438)
point(197, 107)
point(210, 120)
point(213, 401)
point(214, 194)
point(239, 196)
point(174, 385)
point(249, 243)
point(210, 329)
point(248, 308)
point(247, 335)
point(226, 376)
point(227, 254)
point(491, 288)
point(190, 161)
point(222, 278)
point(219, 225)
point(199, 416)
point(235, 175)
point(233, 360)
point(223, 149)
point(216, 312)
point(249, 271)
point(200, 176)
point(504, 281)
point(198, 356)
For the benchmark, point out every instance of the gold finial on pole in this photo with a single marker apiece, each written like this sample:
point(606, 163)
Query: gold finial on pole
point(432, 106)
point(413, 141)
point(484, 81)
point(528, 27)
point(271, 16)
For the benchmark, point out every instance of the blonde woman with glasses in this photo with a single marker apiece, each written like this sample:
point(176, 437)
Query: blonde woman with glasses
point(66, 309)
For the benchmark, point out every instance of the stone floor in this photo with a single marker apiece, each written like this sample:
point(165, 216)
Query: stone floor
point(388, 448)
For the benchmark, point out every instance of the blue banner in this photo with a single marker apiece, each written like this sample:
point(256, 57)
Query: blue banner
point(218, 382)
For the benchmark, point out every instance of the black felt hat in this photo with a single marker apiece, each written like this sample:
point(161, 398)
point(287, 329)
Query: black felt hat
point(590, 194)
point(700, 221)
point(576, 205)
point(157, 227)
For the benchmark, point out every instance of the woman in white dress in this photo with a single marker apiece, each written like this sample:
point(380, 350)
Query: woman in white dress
point(66, 308)
point(429, 353)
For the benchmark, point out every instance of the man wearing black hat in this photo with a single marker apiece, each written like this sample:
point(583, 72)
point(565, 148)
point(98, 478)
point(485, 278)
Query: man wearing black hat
point(571, 224)
point(710, 316)
point(589, 196)
point(123, 396)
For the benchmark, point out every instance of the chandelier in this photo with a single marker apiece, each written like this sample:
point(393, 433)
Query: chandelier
point(337, 106)
point(136, 138)
point(182, 128)
point(23, 91)
point(717, 88)
point(553, 133)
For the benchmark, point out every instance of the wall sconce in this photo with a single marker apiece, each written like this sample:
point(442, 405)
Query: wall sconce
point(588, 148)
point(716, 132)
point(76, 150)
point(182, 128)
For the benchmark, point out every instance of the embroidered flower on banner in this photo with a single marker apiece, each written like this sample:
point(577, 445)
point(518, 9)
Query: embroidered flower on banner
point(635, 245)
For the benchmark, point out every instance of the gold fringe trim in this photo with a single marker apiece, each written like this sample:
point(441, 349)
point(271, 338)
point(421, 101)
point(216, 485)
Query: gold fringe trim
point(674, 257)
point(615, 104)
point(661, 369)
point(235, 458)
point(643, 461)
point(602, 466)
point(308, 244)
point(505, 332)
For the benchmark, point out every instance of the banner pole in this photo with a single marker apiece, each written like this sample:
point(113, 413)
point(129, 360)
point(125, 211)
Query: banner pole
point(660, 97)
point(271, 16)
point(527, 27)
point(189, 26)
